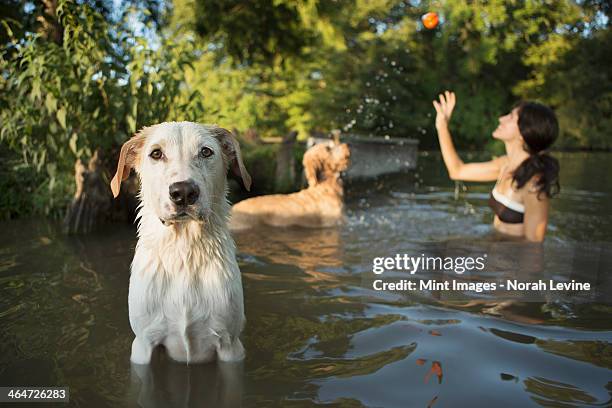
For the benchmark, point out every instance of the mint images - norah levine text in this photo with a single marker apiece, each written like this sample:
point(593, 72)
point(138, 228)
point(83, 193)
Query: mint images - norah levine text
point(452, 285)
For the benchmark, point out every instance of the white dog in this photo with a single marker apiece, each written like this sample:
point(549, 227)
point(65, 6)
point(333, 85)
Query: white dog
point(185, 285)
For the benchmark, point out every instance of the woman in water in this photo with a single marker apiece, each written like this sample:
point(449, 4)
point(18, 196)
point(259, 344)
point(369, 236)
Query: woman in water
point(527, 177)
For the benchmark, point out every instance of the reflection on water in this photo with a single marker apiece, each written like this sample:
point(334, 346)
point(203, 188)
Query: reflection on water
point(316, 331)
point(168, 384)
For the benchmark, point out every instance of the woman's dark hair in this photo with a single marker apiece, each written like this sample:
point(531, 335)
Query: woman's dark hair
point(539, 127)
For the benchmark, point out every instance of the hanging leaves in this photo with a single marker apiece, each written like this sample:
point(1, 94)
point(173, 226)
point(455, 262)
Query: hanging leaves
point(61, 117)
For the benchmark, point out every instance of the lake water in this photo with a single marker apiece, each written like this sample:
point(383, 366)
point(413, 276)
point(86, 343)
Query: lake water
point(317, 332)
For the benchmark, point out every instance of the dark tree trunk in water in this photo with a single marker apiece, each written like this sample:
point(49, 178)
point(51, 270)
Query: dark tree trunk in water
point(92, 201)
point(285, 163)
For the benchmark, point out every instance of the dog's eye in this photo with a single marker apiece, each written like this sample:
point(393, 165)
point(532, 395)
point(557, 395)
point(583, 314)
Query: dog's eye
point(206, 152)
point(156, 154)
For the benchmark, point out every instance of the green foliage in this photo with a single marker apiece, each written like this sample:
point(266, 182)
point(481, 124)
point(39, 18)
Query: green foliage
point(572, 74)
point(370, 67)
point(27, 193)
point(253, 31)
point(62, 101)
point(257, 69)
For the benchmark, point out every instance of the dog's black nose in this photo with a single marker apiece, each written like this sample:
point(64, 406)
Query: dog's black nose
point(184, 193)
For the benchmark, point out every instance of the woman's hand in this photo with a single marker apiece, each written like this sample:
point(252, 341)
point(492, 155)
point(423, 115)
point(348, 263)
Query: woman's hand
point(444, 108)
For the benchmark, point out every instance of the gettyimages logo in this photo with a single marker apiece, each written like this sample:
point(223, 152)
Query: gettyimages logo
point(422, 263)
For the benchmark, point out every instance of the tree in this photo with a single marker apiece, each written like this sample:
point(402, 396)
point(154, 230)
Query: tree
point(62, 101)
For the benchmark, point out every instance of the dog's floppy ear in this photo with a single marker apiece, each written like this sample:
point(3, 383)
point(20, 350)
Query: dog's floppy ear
point(128, 158)
point(316, 163)
point(231, 148)
point(310, 163)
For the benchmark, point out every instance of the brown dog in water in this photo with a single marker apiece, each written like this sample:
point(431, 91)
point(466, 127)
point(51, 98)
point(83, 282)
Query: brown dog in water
point(319, 205)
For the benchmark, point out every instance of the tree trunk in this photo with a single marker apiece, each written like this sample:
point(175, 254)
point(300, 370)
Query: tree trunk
point(285, 164)
point(92, 201)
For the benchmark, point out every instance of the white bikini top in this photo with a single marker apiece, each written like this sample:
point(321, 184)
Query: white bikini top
point(503, 199)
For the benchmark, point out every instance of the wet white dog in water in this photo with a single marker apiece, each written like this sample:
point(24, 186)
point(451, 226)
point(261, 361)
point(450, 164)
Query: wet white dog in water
point(185, 285)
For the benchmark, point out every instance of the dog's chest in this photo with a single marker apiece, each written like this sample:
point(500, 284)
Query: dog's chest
point(180, 290)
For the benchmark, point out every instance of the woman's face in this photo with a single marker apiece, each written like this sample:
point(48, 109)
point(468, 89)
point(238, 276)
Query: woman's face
point(508, 129)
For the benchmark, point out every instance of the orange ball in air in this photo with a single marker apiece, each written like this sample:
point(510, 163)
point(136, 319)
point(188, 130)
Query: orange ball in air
point(430, 20)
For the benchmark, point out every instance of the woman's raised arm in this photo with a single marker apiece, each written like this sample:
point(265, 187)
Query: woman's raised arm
point(457, 169)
